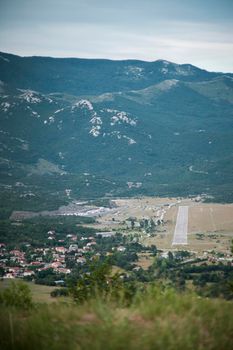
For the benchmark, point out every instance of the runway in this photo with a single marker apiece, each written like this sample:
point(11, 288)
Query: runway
point(181, 229)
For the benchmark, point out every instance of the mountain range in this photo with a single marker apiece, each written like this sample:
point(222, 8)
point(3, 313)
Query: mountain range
point(87, 128)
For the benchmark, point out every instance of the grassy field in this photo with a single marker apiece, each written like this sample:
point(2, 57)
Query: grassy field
point(159, 319)
point(211, 218)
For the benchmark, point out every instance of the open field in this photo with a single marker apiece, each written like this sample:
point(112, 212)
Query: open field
point(144, 260)
point(211, 218)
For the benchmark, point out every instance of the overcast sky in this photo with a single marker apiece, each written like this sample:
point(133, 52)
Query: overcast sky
point(183, 31)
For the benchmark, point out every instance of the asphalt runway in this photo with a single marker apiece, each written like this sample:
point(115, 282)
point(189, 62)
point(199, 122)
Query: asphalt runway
point(181, 229)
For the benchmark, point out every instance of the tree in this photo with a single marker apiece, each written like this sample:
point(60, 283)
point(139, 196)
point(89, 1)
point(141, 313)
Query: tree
point(100, 282)
point(92, 283)
point(170, 256)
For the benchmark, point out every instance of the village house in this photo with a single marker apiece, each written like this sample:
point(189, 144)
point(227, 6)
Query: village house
point(51, 238)
point(74, 238)
point(90, 244)
point(73, 248)
point(51, 233)
point(81, 260)
point(63, 270)
point(27, 273)
point(62, 250)
point(56, 264)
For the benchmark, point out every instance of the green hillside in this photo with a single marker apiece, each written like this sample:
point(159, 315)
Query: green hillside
point(94, 126)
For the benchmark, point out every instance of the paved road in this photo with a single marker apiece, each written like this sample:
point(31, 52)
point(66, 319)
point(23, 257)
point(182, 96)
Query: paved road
point(181, 229)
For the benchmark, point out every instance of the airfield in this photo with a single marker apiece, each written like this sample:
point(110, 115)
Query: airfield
point(180, 223)
point(209, 226)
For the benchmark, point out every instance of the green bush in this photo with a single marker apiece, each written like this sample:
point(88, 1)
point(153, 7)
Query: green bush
point(59, 292)
point(17, 295)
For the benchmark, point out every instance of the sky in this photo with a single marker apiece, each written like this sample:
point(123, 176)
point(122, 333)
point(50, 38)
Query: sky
point(199, 32)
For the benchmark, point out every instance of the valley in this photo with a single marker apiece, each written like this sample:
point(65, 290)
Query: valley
point(116, 175)
point(209, 226)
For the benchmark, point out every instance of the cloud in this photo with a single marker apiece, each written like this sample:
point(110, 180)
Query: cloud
point(140, 30)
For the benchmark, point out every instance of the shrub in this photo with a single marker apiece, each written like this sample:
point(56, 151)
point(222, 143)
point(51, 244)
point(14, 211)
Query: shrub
point(60, 292)
point(17, 295)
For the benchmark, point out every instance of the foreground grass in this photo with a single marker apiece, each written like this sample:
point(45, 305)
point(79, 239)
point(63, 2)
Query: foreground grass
point(158, 320)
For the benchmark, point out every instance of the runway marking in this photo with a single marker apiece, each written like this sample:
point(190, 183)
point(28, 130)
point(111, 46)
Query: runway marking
point(181, 229)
